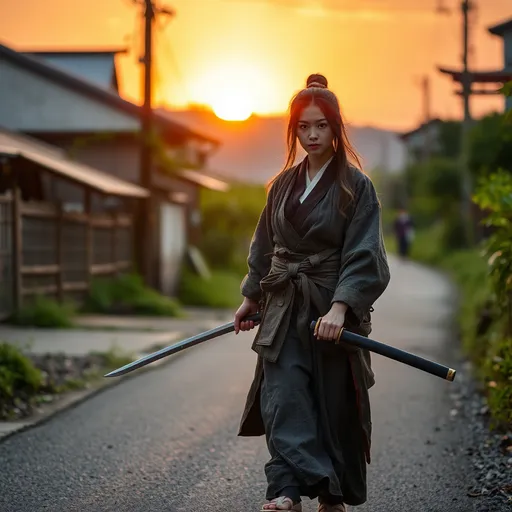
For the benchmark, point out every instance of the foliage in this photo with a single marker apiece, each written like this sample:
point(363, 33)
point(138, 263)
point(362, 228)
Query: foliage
point(127, 294)
point(45, 312)
point(498, 373)
point(494, 195)
point(449, 139)
point(222, 290)
point(491, 145)
point(435, 190)
point(229, 220)
point(18, 377)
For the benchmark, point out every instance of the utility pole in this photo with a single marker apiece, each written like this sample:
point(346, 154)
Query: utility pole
point(425, 87)
point(466, 6)
point(145, 242)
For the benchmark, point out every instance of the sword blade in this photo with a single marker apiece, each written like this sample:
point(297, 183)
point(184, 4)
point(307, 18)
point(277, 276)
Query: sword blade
point(178, 347)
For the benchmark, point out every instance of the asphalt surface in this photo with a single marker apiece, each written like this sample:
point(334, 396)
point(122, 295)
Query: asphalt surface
point(166, 440)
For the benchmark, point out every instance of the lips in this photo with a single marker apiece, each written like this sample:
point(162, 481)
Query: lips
point(313, 146)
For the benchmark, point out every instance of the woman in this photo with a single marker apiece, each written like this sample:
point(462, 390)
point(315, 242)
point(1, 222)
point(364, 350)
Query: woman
point(317, 251)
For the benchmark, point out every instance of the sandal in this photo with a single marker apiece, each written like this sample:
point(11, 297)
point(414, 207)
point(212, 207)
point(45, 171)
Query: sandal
point(283, 500)
point(324, 507)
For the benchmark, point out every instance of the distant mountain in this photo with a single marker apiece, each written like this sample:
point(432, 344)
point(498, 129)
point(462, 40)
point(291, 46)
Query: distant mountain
point(255, 150)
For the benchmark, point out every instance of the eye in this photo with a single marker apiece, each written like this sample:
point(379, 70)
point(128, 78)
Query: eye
point(303, 126)
point(322, 126)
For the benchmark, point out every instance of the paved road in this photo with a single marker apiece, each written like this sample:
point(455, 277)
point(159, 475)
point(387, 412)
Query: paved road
point(166, 440)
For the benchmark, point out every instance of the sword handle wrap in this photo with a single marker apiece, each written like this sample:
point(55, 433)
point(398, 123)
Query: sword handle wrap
point(316, 325)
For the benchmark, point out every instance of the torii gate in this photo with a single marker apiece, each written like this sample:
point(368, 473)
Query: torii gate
point(496, 77)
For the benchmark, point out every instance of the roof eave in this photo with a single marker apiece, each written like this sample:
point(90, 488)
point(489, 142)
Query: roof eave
point(103, 95)
point(501, 28)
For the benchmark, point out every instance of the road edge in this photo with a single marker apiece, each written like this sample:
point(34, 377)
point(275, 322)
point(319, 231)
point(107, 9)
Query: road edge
point(75, 398)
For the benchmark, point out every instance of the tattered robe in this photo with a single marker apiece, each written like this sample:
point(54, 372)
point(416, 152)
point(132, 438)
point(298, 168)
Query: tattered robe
point(302, 258)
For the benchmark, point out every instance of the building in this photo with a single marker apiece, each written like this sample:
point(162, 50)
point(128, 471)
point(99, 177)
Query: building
point(42, 99)
point(98, 67)
point(504, 30)
point(422, 142)
point(62, 223)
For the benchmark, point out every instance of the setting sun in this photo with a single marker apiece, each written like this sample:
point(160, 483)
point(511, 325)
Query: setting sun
point(231, 105)
point(234, 89)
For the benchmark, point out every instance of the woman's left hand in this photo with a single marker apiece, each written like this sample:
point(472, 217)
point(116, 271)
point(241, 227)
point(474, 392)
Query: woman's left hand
point(332, 322)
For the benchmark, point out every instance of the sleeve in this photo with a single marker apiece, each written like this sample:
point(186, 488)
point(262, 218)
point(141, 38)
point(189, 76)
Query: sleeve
point(259, 258)
point(364, 272)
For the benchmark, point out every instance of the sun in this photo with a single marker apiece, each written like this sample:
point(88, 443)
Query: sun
point(231, 105)
point(234, 89)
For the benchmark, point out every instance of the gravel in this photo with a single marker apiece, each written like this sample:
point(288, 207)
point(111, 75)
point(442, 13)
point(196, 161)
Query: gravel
point(489, 451)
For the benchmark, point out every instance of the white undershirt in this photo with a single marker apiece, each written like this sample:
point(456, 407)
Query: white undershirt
point(310, 184)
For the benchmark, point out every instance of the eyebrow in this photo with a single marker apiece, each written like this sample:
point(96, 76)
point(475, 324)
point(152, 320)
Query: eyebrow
point(317, 121)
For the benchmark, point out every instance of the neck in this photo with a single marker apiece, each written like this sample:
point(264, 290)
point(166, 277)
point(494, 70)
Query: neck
point(316, 162)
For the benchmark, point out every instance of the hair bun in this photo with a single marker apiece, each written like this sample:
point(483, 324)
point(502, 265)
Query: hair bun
point(317, 80)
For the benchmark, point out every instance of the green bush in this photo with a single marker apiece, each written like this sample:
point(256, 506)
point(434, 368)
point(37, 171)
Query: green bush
point(229, 220)
point(127, 294)
point(45, 312)
point(222, 290)
point(491, 145)
point(18, 377)
point(498, 376)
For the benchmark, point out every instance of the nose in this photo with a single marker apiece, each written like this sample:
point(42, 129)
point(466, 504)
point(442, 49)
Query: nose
point(313, 135)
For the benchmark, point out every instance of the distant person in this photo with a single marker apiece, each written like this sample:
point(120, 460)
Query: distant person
point(404, 233)
point(317, 254)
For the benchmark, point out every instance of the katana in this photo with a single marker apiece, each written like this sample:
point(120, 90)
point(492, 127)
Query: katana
point(344, 336)
point(181, 345)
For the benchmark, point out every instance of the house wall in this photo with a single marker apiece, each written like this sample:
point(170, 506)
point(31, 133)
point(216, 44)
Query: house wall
point(111, 154)
point(32, 103)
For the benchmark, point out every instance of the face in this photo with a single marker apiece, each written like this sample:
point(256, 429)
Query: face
point(314, 132)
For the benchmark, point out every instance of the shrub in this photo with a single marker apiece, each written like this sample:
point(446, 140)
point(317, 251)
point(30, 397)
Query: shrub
point(19, 379)
point(498, 375)
point(127, 294)
point(45, 312)
point(222, 290)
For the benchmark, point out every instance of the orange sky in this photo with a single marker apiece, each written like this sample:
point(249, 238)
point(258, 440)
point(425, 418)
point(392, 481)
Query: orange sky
point(260, 51)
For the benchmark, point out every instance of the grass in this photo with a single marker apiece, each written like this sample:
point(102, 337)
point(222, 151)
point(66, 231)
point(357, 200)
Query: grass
point(46, 313)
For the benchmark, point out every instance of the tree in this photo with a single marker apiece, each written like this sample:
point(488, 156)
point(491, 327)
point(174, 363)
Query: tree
point(491, 145)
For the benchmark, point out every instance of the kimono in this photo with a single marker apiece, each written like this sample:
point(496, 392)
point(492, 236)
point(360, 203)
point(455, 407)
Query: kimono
point(310, 397)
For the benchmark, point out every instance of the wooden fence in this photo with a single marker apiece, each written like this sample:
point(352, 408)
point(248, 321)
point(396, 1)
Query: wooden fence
point(46, 251)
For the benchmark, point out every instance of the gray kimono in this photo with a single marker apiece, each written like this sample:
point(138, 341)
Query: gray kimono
point(303, 257)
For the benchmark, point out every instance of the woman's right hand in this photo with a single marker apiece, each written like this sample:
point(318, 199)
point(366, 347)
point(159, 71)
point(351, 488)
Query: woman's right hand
point(248, 307)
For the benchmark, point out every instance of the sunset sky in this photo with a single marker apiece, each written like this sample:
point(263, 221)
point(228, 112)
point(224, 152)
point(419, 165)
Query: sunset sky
point(256, 53)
